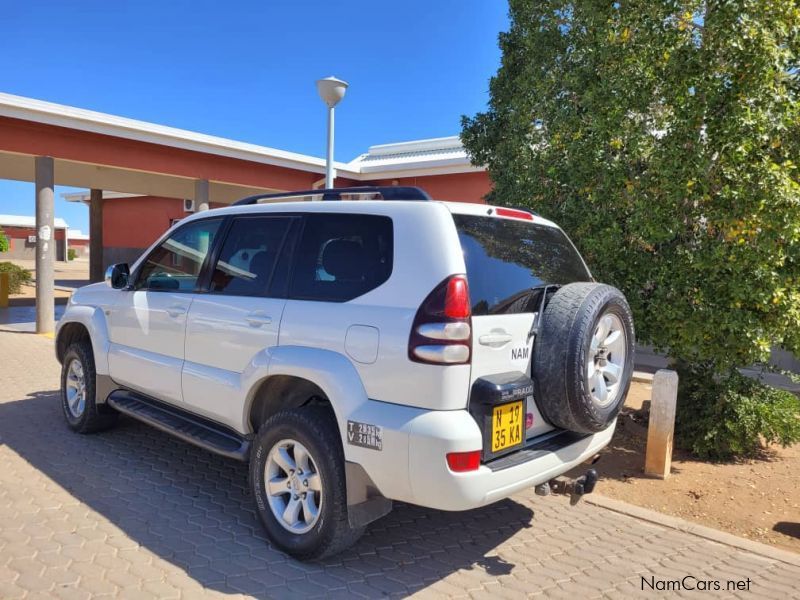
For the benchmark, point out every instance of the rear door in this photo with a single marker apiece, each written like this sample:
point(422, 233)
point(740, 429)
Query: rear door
point(238, 314)
point(509, 258)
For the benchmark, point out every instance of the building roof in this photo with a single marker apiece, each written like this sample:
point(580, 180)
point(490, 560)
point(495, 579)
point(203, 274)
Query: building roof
point(50, 113)
point(26, 221)
point(77, 234)
point(421, 157)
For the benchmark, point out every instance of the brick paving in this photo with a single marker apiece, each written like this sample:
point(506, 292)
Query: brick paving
point(134, 513)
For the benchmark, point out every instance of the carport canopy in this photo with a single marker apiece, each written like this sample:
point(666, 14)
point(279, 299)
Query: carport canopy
point(51, 144)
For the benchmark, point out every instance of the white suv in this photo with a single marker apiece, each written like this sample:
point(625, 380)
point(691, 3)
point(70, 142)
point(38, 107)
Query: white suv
point(370, 347)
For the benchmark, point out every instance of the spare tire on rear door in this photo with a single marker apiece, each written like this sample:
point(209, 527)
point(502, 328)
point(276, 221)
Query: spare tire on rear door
point(583, 357)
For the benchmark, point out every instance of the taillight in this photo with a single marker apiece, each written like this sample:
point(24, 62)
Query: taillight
point(461, 462)
point(442, 329)
point(456, 302)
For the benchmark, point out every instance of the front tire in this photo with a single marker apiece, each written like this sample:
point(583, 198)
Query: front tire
point(297, 478)
point(78, 391)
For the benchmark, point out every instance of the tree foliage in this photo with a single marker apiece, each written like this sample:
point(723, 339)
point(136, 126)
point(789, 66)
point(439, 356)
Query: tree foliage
point(663, 136)
point(3, 241)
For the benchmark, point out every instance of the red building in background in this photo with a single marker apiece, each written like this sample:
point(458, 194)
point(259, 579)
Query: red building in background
point(132, 222)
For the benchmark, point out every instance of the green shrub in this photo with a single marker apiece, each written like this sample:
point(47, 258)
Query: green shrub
point(723, 418)
point(3, 241)
point(680, 188)
point(17, 278)
point(71, 254)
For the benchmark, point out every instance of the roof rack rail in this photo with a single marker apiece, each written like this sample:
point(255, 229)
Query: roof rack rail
point(383, 192)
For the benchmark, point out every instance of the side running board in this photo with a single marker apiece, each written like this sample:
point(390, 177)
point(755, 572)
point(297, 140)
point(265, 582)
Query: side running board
point(189, 428)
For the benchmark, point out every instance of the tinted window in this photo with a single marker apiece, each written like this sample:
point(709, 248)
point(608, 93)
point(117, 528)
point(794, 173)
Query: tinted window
point(506, 258)
point(341, 257)
point(247, 260)
point(175, 264)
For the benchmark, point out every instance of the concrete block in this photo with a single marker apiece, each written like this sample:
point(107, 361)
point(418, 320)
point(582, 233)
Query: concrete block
point(661, 428)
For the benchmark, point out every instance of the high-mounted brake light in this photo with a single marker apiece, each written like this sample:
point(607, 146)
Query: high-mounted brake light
point(461, 462)
point(442, 330)
point(514, 213)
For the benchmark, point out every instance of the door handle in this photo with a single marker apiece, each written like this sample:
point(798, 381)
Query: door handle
point(258, 319)
point(495, 340)
point(176, 310)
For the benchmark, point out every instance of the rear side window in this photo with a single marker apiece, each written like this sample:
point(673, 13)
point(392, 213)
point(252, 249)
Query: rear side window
point(505, 258)
point(340, 257)
point(246, 263)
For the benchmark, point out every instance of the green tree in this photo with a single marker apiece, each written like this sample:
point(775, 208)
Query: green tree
point(663, 135)
point(3, 241)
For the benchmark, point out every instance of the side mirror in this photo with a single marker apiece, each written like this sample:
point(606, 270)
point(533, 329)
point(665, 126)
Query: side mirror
point(117, 275)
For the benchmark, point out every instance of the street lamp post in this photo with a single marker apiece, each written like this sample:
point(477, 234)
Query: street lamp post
point(331, 90)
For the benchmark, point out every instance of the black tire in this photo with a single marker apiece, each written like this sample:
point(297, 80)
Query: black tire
point(94, 417)
point(315, 428)
point(561, 357)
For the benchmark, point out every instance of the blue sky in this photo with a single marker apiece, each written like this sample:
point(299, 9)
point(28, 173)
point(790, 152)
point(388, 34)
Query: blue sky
point(246, 70)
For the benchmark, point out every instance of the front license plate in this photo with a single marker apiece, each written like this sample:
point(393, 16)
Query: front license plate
point(507, 425)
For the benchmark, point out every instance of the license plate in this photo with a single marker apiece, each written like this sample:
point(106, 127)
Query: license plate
point(507, 425)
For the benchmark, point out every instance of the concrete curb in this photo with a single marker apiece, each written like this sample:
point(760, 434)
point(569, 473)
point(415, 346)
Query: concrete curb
point(17, 302)
point(60, 288)
point(642, 377)
point(714, 535)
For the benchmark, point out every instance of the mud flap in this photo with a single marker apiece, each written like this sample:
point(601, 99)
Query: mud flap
point(365, 503)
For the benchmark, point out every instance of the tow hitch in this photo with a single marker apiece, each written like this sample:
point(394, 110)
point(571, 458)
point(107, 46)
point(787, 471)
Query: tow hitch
point(574, 488)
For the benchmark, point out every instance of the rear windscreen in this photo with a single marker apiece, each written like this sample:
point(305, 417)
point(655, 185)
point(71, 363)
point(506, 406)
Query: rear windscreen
point(506, 258)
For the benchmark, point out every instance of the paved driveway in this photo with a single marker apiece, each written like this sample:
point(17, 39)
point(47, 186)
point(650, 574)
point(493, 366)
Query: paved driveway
point(134, 513)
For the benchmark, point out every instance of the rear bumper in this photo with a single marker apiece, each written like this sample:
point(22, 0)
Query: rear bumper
point(434, 485)
point(430, 435)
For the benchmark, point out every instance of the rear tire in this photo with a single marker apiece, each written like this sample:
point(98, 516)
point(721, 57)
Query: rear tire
point(299, 450)
point(78, 391)
point(583, 357)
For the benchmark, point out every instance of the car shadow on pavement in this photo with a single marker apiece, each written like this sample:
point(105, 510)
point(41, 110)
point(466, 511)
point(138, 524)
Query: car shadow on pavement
point(193, 509)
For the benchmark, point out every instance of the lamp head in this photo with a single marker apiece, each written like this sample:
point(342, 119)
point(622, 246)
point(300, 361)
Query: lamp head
point(331, 90)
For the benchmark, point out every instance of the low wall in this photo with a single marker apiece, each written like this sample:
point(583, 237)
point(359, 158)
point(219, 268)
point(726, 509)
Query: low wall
point(22, 249)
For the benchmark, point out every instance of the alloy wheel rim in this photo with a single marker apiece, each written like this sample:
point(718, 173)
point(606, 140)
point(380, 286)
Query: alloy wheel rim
point(607, 352)
point(293, 486)
point(76, 388)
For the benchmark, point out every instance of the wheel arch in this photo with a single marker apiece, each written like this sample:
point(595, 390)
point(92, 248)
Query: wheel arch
point(276, 392)
point(302, 374)
point(69, 333)
point(85, 322)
